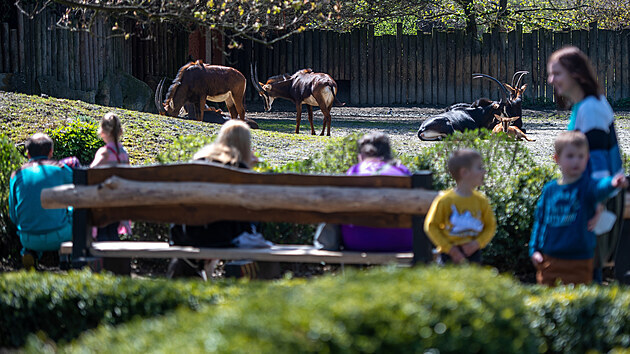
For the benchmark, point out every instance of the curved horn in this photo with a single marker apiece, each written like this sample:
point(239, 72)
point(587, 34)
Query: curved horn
point(523, 73)
point(505, 90)
point(254, 78)
point(158, 96)
point(514, 76)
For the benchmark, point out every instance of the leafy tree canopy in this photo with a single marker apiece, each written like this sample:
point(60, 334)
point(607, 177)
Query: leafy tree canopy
point(270, 20)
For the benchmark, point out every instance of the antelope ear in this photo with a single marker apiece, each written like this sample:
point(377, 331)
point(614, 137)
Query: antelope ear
point(523, 88)
point(513, 119)
point(497, 116)
point(509, 87)
point(266, 87)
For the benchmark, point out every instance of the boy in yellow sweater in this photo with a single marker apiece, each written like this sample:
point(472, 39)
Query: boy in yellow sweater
point(460, 221)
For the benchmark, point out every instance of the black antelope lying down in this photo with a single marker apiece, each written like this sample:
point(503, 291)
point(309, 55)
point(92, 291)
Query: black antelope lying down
point(303, 87)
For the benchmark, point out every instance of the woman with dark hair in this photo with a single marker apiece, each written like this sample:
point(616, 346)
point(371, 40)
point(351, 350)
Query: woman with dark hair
point(575, 84)
point(375, 158)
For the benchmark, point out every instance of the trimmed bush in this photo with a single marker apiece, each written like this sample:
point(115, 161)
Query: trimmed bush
point(10, 160)
point(388, 309)
point(77, 138)
point(64, 306)
point(183, 148)
point(582, 319)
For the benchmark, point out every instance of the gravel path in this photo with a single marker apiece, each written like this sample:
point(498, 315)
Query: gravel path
point(402, 123)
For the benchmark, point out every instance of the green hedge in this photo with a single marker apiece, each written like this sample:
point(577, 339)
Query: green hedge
point(582, 319)
point(383, 310)
point(10, 160)
point(77, 138)
point(64, 306)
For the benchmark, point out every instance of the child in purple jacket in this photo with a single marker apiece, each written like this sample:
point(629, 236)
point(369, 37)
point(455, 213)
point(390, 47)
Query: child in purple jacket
point(375, 158)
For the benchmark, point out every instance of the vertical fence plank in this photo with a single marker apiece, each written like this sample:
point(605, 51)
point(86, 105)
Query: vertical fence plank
point(518, 48)
point(43, 19)
point(610, 65)
point(28, 52)
point(378, 70)
point(392, 77)
point(510, 59)
point(288, 44)
point(300, 51)
point(323, 47)
point(54, 40)
point(384, 82)
point(625, 64)
point(412, 60)
point(450, 69)
point(354, 68)
point(527, 62)
point(467, 66)
point(549, 47)
point(495, 61)
point(442, 61)
point(333, 53)
point(534, 64)
point(65, 63)
point(15, 65)
point(370, 66)
point(419, 79)
point(618, 59)
point(341, 55)
point(543, 38)
point(21, 39)
point(427, 68)
point(83, 58)
point(601, 58)
point(308, 49)
point(316, 51)
point(435, 59)
point(59, 54)
point(72, 64)
point(475, 50)
point(6, 57)
point(37, 44)
point(459, 67)
point(398, 63)
point(404, 75)
point(362, 53)
point(486, 53)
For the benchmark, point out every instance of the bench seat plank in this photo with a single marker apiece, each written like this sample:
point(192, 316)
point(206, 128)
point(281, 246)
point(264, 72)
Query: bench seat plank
point(277, 253)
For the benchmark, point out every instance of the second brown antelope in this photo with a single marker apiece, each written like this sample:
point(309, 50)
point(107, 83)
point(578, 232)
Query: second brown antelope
point(512, 95)
point(197, 82)
point(303, 87)
point(506, 127)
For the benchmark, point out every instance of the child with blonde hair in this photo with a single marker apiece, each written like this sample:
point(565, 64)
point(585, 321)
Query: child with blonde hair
point(113, 153)
point(460, 221)
point(232, 147)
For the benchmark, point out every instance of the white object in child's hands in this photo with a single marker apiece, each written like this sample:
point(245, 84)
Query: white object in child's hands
point(605, 223)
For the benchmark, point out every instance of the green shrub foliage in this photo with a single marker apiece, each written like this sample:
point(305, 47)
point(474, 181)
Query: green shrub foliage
point(388, 310)
point(10, 160)
point(63, 306)
point(77, 138)
point(582, 319)
point(183, 148)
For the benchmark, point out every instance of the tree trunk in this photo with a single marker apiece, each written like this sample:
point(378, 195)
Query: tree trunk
point(119, 192)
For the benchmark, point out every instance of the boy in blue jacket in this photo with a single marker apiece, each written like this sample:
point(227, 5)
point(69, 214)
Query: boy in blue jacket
point(561, 246)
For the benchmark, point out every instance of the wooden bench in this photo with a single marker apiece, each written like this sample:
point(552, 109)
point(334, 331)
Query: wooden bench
point(199, 193)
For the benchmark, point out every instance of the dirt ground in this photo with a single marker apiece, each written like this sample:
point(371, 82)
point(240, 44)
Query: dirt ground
point(402, 123)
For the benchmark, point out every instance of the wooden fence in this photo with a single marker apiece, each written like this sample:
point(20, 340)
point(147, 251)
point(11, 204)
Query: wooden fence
point(80, 60)
point(428, 68)
point(436, 68)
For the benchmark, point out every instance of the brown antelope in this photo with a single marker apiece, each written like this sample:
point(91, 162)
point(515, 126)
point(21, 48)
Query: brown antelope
point(505, 127)
point(303, 87)
point(512, 95)
point(197, 82)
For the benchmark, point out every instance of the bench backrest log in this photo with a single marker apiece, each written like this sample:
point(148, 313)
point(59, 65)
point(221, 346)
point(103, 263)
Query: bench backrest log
point(183, 193)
